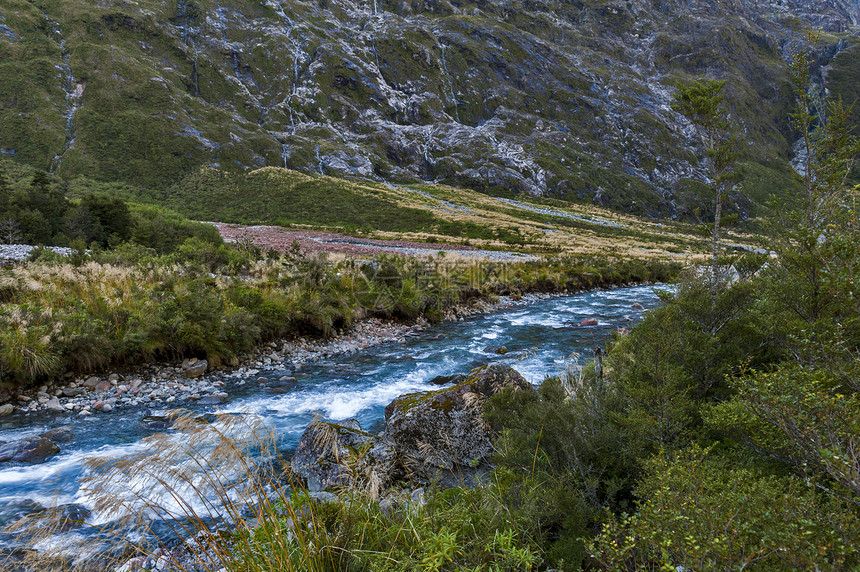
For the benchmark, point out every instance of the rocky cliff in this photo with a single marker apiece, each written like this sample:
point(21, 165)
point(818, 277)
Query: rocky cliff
point(546, 97)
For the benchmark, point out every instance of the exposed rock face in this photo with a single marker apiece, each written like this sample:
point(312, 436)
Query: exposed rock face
point(539, 97)
point(342, 454)
point(441, 436)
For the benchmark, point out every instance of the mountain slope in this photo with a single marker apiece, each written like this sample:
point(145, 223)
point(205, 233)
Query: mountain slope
point(562, 98)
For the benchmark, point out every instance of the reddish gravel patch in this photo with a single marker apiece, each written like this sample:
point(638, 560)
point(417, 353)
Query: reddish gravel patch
point(309, 242)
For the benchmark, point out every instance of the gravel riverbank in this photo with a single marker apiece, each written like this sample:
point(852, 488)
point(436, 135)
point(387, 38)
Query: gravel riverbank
point(163, 386)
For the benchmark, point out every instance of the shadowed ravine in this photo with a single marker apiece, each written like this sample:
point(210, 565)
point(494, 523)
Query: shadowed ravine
point(542, 339)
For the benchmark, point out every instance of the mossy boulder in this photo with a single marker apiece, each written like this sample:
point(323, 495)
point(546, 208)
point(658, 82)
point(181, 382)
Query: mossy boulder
point(441, 436)
point(341, 454)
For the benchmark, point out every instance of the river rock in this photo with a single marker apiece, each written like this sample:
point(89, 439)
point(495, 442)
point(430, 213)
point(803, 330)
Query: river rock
point(501, 350)
point(332, 454)
point(62, 518)
point(589, 322)
point(157, 422)
point(73, 391)
point(15, 510)
point(30, 450)
point(54, 405)
point(6, 409)
point(193, 368)
point(216, 399)
point(91, 383)
point(441, 436)
point(447, 379)
point(5, 395)
point(59, 435)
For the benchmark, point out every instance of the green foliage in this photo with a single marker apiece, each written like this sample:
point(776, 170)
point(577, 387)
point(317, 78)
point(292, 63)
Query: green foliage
point(699, 513)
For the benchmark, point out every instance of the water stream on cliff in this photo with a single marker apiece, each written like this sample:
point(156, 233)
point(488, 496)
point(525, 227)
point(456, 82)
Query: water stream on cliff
point(541, 338)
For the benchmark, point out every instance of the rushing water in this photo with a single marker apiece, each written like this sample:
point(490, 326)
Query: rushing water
point(543, 338)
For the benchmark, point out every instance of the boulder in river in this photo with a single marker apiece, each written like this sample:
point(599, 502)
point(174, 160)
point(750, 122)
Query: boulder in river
point(441, 436)
point(215, 399)
point(332, 454)
point(59, 435)
point(29, 450)
point(447, 379)
point(589, 322)
point(501, 350)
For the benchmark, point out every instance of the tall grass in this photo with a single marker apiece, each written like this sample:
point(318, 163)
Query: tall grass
point(215, 494)
point(131, 305)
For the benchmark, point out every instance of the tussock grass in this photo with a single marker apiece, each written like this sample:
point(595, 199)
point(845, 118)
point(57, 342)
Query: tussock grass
point(131, 306)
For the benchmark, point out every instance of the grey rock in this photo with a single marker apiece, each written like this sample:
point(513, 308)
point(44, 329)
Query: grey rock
point(91, 382)
point(30, 450)
point(193, 368)
point(73, 391)
point(334, 454)
point(54, 405)
point(59, 435)
point(447, 379)
point(441, 436)
point(6, 409)
point(12, 511)
point(212, 400)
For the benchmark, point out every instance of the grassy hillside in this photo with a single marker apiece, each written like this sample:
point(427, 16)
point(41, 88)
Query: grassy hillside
point(434, 213)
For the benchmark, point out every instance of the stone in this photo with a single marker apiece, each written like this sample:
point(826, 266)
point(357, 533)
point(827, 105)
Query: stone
point(215, 399)
point(589, 322)
point(287, 379)
point(6, 409)
point(5, 395)
point(63, 518)
point(106, 408)
point(332, 454)
point(73, 391)
point(193, 368)
point(12, 511)
point(62, 434)
point(501, 350)
point(447, 379)
point(157, 422)
point(441, 436)
point(30, 450)
point(54, 405)
point(636, 306)
point(103, 386)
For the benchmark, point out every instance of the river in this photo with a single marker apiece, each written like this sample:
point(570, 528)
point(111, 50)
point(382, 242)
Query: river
point(542, 338)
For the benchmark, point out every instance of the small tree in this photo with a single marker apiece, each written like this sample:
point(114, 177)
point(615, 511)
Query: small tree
point(10, 231)
point(701, 102)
